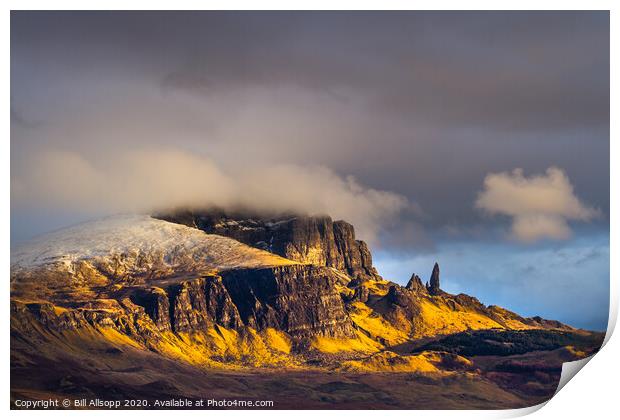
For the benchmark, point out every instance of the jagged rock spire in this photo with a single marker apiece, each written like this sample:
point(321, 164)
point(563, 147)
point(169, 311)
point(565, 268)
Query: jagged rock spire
point(415, 283)
point(433, 286)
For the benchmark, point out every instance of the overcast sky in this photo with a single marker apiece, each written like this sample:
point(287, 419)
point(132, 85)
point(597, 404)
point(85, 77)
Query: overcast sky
point(456, 137)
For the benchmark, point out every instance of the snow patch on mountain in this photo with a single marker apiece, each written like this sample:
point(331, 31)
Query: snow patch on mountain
point(138, 239)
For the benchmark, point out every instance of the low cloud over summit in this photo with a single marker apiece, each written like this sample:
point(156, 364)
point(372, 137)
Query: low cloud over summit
point(149, 180)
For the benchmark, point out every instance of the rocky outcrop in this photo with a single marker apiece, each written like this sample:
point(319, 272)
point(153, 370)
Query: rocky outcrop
point(400, 306)
point(220, 305)
point(156, 304)
point(122, 315)
point(415, 284)
point(400, 297)
point(300, 299)
point(433, 285)
point(360, 294)
point(189, 305)
point(311, 240)
point(356, 258)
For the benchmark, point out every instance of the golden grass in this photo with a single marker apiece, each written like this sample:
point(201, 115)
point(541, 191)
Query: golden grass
point(277, 340)
point(223, 347)
point(508, 320)
point(377, 287)
point(425, 362)
point(375, 324)
point(115, 337)
point(388, 361)
point(437, 318)
point(59, 310)
point(361, 343)
point(575, 352)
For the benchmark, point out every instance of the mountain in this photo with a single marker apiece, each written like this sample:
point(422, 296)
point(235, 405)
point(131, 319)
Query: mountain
point(182, 294)
point(312, 240)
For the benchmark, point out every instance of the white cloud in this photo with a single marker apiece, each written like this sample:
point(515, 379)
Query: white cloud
point(144, 180)
point(540, 205)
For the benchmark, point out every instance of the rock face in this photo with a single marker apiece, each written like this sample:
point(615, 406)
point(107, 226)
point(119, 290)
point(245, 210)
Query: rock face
point(360, 294)
point(300, 300)
point(220, 305)
point(400, 305)
point(433, 286)
point(198, 304)
point(156, 304)
point(189, 309)
point(312, 240)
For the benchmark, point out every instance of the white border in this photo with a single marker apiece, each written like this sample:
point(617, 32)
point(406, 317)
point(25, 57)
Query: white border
point(593, 395)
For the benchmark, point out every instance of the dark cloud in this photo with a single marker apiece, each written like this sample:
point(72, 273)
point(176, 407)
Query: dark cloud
point(513, 70)
point(423, 104)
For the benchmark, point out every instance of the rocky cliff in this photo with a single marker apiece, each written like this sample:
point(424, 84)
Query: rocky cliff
point(312, 240)
point(300, 300)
